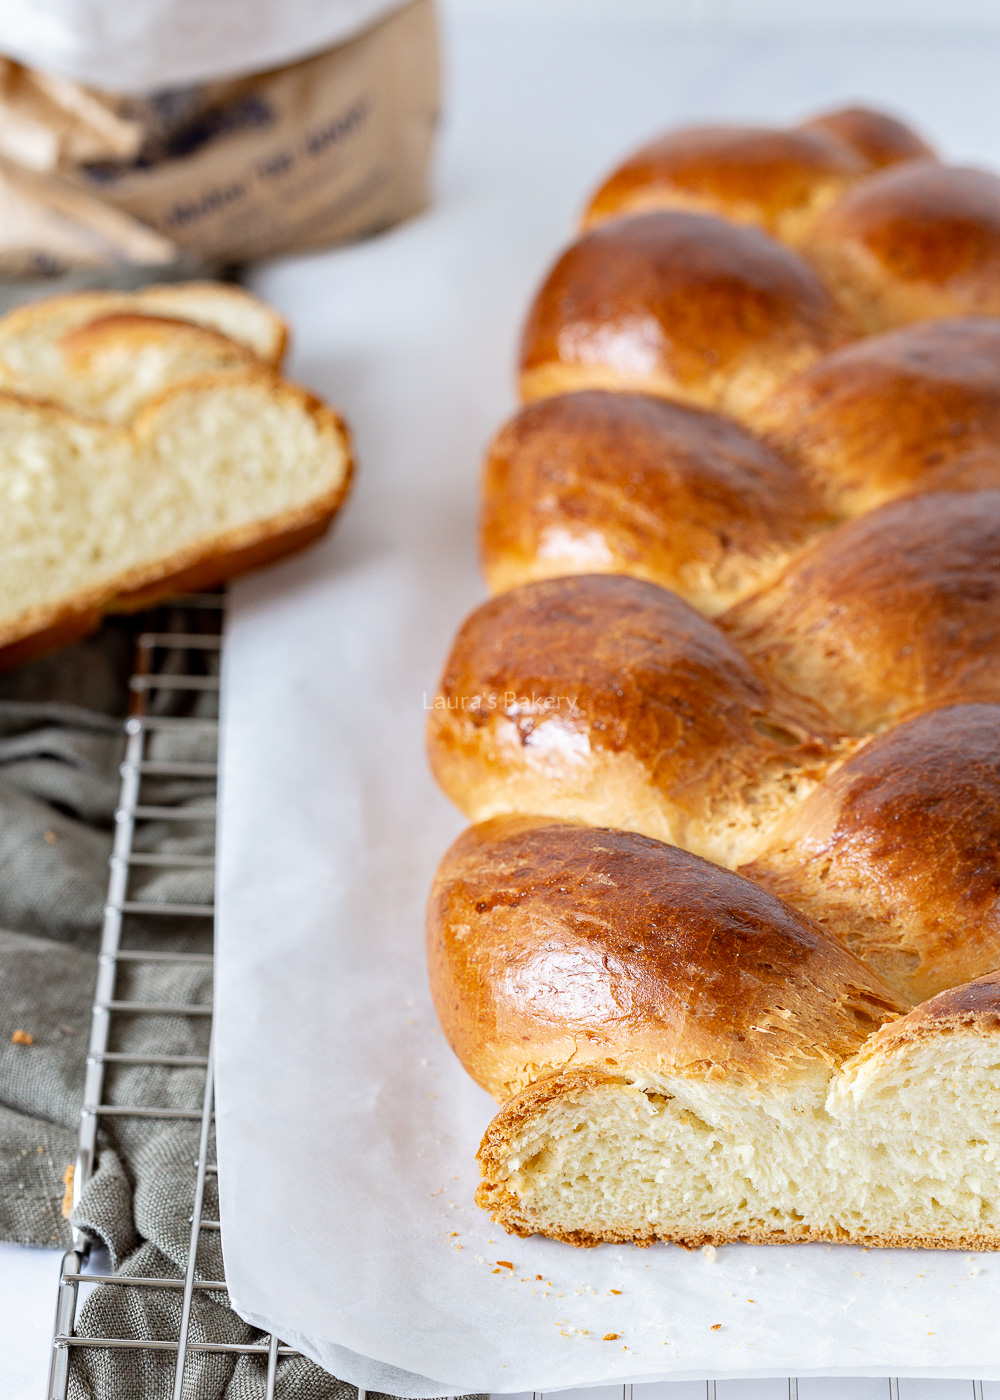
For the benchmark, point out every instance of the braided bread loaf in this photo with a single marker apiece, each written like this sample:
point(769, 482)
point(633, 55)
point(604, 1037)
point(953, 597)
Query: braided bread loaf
point(723, 941)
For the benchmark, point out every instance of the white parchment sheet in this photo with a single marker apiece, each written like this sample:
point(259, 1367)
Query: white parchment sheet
point(347, 1130)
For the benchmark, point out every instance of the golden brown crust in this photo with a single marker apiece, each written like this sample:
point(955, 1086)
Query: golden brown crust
point(898, 851)
point(552, 944)
point(266, 338)
point(596, 482)
point(915, 241)
point(230, 560)
point(682, 305)
point(971, 1012)
point(973, 1007)
point(776, 178)
point(877, 137)
point(60, 628)
point(916, 409)
point(495, 1196)
point(568, 958)
point(896, 611)
point(607, 699)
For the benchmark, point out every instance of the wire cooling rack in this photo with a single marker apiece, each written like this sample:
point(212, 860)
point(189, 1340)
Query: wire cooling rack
point(163, 664)
point(159, 667)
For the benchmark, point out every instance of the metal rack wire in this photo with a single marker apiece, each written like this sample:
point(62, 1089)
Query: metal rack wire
point(159, 654)
point(156, 670)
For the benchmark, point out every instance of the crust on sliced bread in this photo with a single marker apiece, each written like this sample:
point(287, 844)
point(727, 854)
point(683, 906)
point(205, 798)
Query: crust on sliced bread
point(30, 331)
point(215, 476)
point(222, 307)
point(107, 354)
point(111, 366)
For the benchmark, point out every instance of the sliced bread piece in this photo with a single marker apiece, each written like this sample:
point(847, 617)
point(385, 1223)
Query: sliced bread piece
point(221, 307)
point(215, 476)
point(105, 353)
point(109, 367)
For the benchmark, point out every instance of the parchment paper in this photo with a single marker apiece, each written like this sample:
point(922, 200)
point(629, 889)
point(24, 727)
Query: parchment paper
point(347, 1130)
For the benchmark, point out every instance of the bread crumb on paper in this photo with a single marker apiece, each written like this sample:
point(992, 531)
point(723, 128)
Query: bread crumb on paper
point(709, 1252)
point(715, 1326)
point(610, 1337)
point(20, 1037)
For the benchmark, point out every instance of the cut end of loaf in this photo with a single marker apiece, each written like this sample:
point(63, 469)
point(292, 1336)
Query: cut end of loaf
point(905, 1153)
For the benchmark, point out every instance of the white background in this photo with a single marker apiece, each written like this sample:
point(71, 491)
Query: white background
point(625, 68)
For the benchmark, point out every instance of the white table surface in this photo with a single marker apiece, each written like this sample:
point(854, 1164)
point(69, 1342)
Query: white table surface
point(621, 64)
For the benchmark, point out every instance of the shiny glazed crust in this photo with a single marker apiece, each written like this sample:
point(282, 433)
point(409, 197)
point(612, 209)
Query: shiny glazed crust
point(915, 409)
point(682, 305)
point(897, 852)
point(665, 963)
point(915, 241)
point(577, 968)
point(896, 611)
point(777, 178)
point(880, 139)
point(596, 482)
point(607, 699)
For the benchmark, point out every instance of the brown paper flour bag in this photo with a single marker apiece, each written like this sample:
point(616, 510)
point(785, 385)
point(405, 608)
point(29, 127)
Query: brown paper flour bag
point(47, 227)
point(328, 149)
point(47, 122)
